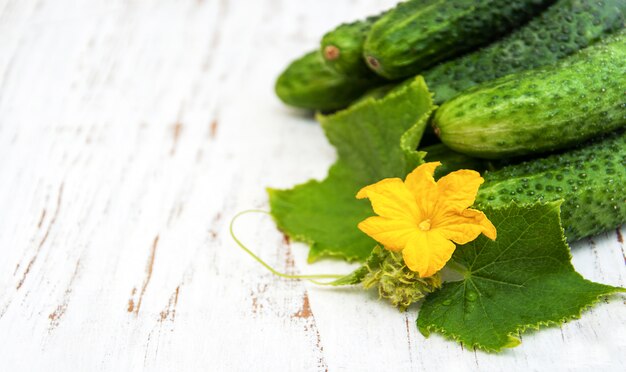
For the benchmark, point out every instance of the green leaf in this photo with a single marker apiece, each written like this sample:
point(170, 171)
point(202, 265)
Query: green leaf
point(374, 139)
point(522, 280)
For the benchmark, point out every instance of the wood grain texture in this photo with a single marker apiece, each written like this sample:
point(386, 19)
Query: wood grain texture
point(130, 134)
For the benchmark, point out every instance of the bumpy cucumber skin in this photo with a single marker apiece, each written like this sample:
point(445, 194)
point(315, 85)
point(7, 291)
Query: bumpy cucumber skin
point(310, 84)
point(563, 29)
point(420, 33)
point(540, 110)
point(591, 181)
point(342, 48)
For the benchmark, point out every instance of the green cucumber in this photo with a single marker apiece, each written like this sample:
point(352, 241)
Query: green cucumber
point(563, 29)
point(342, 48)
point(590, 180)
point(417, 34)
point(540, 110)
point(309, 83)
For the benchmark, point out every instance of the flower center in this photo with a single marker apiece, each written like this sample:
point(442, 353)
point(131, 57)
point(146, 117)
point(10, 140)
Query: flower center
point(424, 225)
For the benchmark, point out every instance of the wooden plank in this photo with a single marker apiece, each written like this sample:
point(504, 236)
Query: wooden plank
point(130, 134)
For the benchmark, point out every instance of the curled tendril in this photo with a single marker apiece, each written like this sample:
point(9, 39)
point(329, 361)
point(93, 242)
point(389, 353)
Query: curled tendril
point(311, 278)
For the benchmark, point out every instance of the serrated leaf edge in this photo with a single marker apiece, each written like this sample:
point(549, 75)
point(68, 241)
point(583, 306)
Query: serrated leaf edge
point(514, 335)
point(403, 146)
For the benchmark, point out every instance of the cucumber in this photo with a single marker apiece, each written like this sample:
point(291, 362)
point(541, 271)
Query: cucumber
point(591, 181)
point(418, 34)
point(342, 48)
point(309, 83)
point(563, 29)
point(540, 110)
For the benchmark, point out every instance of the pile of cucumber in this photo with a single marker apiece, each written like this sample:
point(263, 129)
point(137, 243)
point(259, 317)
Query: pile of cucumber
point(532, 92)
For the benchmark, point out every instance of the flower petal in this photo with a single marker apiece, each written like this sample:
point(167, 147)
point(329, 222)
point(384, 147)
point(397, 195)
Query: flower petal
point(464, 227)
point(428, 252)
point(391, 233)
point(422, 185)
point(390, 198)
point(458, 189)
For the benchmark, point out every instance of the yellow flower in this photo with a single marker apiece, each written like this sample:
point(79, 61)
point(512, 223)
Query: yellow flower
point(423, 218)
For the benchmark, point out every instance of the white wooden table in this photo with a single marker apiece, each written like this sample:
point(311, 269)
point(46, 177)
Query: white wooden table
point(130, 133)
